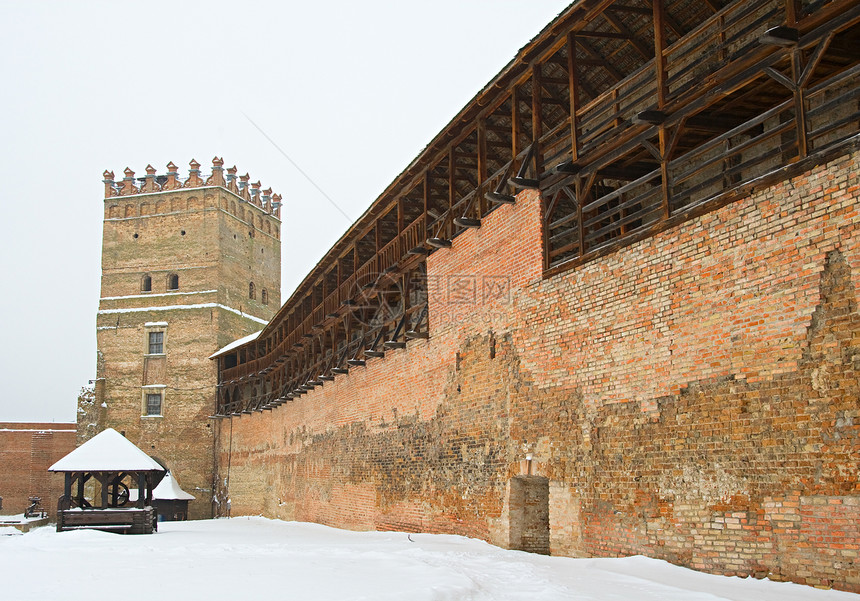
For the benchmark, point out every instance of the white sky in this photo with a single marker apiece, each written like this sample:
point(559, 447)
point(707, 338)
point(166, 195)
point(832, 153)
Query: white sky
point(351, 91)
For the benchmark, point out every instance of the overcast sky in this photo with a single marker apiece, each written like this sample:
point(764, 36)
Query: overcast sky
point(350, 91)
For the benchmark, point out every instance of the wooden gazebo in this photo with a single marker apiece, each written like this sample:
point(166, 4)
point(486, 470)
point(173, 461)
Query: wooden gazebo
point(113, 464)
point(170, 501)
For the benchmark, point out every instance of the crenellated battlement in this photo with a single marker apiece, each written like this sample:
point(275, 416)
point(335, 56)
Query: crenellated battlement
point(152, 182)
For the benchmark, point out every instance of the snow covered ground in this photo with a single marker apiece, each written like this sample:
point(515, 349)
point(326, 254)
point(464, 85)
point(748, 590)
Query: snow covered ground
point(255, 558)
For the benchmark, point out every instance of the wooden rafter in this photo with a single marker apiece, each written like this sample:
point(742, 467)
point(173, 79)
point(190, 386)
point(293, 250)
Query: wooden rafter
point(640, 46)
point(598, 60)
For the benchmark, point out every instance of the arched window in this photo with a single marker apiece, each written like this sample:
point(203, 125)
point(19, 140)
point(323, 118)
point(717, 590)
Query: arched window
point(252, 291)
point(264, 296)
point(146, 283)
point(173, 282)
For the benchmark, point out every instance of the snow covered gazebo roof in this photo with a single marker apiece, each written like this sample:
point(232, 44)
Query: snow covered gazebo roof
point(168, 490)
point(108, 451)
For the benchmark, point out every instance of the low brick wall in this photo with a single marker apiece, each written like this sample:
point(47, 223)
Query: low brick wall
point(692, 397)
point(27, 450)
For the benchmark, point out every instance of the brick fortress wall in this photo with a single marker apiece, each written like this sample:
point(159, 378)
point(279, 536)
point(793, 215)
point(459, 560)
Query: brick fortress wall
point(692, 397)
point(27, 450)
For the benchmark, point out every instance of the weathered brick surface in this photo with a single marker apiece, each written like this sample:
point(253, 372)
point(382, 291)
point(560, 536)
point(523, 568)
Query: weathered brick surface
point(692, 397)
point(217, 244)
point(27, 450)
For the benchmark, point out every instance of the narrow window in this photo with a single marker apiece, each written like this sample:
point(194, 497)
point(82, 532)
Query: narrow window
point(173, 282)
point(252, 291)
point(153, 403)
point(156, 343)
point(264, 296)
point(146, 285)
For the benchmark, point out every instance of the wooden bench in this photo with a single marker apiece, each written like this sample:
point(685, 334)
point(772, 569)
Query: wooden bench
point(125, 521)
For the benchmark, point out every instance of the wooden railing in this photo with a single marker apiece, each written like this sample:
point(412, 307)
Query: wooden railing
point(718, 165)
point(833, 109)
point(623, 210)
point(608, 115)
point(555, 146)
point(723, 61)
point(718, 41)
point(367, 273)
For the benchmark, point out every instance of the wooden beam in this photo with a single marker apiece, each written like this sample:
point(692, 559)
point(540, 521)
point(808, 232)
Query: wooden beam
point(559, 81)
point(673, 24)
point(624, 8)
point(640, 46)
point(573, 92)
point(815, 58)
point(580, 192)
point(601, 61)
point(452, 188)
point(799, 102)
point(537, 118)
point(502, 130)
point(482, 166)
point(659, 16)
point(603, 34)
point(426, 195)
point(515, 121)
point(792, 9)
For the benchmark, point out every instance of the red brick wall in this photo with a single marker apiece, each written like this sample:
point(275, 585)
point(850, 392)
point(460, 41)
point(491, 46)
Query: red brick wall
point(27, 450)
point(692, 397)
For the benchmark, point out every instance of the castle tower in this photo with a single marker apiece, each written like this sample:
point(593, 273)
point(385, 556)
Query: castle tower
point(188, 266)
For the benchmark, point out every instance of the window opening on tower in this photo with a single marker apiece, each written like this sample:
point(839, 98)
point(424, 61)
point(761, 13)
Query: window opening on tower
point(156, 343)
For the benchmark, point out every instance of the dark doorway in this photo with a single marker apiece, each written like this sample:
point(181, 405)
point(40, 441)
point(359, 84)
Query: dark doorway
point(529, 514)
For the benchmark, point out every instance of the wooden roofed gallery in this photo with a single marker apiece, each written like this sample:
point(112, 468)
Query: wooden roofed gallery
point(629, 116)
